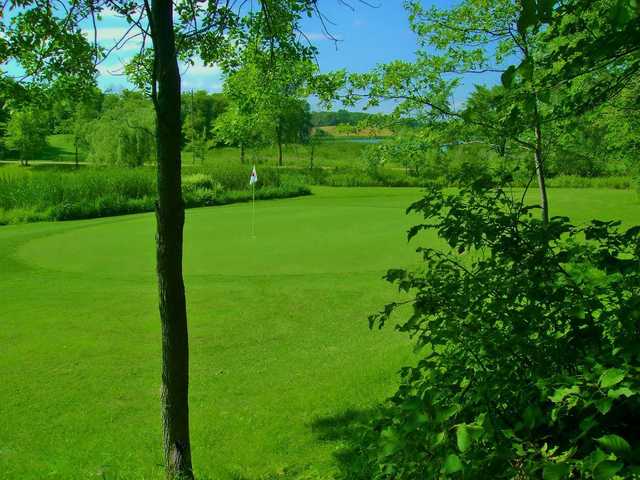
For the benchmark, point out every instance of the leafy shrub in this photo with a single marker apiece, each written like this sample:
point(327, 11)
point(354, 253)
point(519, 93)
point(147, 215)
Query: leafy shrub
point(196, 181)
point(529, 346)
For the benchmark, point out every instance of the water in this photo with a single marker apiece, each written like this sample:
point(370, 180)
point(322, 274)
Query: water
point(357, 139)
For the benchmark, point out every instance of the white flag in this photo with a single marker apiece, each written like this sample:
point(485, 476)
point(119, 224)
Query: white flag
point(254, 176)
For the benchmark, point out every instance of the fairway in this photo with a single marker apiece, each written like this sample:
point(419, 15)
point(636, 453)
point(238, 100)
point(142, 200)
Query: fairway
point(278, 332)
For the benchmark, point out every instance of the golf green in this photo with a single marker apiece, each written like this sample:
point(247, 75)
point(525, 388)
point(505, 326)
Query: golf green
point(278, 332)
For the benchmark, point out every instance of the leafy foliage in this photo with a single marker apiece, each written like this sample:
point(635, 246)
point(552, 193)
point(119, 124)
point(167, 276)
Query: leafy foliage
point(26, 133)
point(124, 132)
point(528, 335)
point(267, 98)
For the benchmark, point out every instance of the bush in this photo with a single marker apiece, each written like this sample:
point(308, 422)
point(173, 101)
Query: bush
point(199, 181)
point(529, 348)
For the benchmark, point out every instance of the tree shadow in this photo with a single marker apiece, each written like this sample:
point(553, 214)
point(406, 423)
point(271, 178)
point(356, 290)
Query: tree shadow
point(343, 426)
point(348, 429)
point(345, 430)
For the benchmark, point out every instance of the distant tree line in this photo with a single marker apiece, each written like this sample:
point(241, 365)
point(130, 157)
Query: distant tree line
point(340, 117)
point(117, 127)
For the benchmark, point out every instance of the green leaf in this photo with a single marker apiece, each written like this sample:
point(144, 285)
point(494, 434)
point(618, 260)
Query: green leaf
point(526, 69)
point(614, 443)
point(444, 414)
point(390, 441)
point(606, 470)
point(561, 393)
point(611, 377)
point(619, 392)
point(555, 471)
point(604, 405)
point(452, 464)
point(463, 438)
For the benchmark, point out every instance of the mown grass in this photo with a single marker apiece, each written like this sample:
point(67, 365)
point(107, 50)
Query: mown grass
point(281, 355)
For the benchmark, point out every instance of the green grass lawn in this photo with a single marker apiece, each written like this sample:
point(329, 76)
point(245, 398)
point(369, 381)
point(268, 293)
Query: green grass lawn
point(278, 331)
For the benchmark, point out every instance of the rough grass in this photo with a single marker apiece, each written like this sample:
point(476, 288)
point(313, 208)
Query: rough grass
point(330, 153)
point(281, 357)
point(28, 195)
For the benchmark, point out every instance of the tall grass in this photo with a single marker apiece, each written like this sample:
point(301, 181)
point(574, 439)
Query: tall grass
point(42, 189)
point(326, 153)
point(28, 195)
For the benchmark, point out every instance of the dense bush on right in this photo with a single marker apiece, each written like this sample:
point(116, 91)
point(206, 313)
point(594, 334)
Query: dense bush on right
point(528, 342)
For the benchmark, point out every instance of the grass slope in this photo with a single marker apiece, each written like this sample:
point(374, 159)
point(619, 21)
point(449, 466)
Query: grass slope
point(279, 341)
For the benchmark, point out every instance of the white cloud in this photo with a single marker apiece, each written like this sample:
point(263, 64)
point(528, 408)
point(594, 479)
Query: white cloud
point(107, 34)
point(109, 13)
point(201, 77)
point(318, 36)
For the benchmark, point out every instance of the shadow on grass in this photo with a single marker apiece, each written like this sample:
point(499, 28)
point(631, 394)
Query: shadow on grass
point(346, 431)
point(349, 430)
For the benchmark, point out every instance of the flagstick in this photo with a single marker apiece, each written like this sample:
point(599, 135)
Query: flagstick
point(253, 210)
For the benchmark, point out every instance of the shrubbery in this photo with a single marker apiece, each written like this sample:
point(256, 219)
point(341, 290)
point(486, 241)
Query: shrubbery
point(534, 377)
point(395, 177)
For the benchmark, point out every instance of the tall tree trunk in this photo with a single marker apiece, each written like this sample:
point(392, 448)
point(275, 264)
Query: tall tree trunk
point(241, 152)
point(313, 147)
point(279, 138)
point(76, 145)
point(538, 156)
point(170, 223)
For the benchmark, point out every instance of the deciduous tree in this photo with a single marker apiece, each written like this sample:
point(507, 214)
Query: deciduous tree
point(45, 39)
point(26, 133)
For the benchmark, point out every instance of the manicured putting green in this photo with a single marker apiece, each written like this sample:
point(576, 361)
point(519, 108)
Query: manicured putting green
point(278, 333)
point(301, 236)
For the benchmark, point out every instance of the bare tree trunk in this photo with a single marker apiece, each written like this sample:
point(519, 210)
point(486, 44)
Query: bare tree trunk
point(313, 147)
point(538, 155)
point(539, 164)
point(170, 223)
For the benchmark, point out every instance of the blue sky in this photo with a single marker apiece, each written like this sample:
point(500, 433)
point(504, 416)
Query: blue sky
point(368, 36)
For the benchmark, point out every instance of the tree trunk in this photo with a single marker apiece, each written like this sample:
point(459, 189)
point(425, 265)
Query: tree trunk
point(76, 145)
point(242, 153)
point(311, 157)
point(170, 223)
point(538, 155)
point(540, 173)
point(279, 147)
